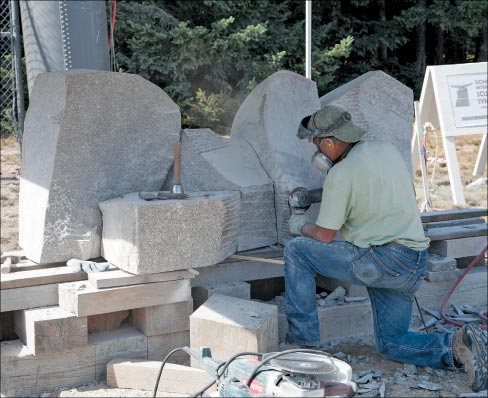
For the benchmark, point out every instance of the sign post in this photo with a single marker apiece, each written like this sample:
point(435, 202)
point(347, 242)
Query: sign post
point(454, 98)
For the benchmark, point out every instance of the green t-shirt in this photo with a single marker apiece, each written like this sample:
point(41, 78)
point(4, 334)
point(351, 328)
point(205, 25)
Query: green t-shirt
point(369, 197)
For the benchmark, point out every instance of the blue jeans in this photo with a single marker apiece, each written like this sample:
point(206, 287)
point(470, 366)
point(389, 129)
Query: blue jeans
point(392, 274)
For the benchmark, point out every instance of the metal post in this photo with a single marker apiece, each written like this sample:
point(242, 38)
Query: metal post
point(308, 39)
point(17, 55)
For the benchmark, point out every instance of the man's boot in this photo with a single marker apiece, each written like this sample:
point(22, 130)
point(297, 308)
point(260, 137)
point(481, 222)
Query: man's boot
point(469, 349)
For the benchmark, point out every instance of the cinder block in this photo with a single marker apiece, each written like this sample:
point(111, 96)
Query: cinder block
point(456, 248)
point(161, 345)
point(237, 289)
point(443, 275)
point(25, 374)
point(198, 231)
point(162, 319)
point(437, 263)
point(230, 325)
point(76, 153)
point(50, 329)
point(126, 342)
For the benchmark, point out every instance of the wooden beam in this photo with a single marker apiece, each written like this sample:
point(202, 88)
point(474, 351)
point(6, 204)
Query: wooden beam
point(102, 280)
point(452, 214)
point(462, 231)
point(40, 277)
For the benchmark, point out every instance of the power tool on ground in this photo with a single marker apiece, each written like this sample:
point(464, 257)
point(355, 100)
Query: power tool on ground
point(300, 199)
point(291, 373)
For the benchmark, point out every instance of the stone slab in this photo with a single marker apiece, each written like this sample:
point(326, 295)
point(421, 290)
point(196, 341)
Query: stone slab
point(126, 342)
point(268, 120)
point(214, 163)
point(438, 276)
point(198, 231)
point(50, 329)
point(89, 136)
point(25, 374)
point(237, 289)
point(456, 214)
point(40, 277)
point(162, 319)
point(456, 248)
point(28, 297)
point(457, 232)
point(453, 223)
point(106, 322)
point(381, 105)
point(102, 280)
point(81, 299)
point(437, 263)
point(229, 325)
point(159, 346)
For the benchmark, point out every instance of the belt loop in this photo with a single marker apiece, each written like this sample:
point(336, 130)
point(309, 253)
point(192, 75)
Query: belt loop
point(419, 257)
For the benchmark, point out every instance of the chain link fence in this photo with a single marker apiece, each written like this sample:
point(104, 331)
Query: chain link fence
point(10, 75)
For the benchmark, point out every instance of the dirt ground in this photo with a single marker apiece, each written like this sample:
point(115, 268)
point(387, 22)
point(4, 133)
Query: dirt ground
point(399, 380)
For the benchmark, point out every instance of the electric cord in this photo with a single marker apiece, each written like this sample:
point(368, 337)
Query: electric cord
point(421, 315)
point(162, 366)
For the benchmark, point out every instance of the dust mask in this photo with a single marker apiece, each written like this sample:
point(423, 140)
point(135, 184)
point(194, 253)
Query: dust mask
point(322, 162)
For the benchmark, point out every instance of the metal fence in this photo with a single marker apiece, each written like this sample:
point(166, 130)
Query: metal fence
point(11, 81)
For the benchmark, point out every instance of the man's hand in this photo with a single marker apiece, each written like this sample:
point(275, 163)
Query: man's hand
point(297, 221)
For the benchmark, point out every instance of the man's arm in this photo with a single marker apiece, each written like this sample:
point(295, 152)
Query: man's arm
point(313, 231)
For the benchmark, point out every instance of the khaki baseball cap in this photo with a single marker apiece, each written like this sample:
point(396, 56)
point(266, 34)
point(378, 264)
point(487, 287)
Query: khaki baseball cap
point(330, 121)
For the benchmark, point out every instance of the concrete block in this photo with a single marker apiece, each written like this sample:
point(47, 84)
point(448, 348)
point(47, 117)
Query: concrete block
point(438, 276)
point(51, 329)
point(376, 102)
point(214, 163)
point(437, 263)
point(83, 300)
point(24, 374)
point(89, 136)
point(198, 231)
point(456, 248)
point(126, 342)
point(237, 289)
point(161, 345)
point(229, 325)
point(268, 120)
point(162, 319)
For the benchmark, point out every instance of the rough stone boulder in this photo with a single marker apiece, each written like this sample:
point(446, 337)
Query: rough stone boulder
point(145, 237)
point(89, 136)
point(214, 163)
point(381, 105)
point(268, 120)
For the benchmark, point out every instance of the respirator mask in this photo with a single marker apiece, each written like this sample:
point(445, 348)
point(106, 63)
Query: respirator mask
point(322, 162)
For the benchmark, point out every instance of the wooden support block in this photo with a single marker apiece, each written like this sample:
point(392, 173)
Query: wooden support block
point(101, 280)
point(82, 299)
point(164, 318)
point(161, 345)
point(456, 248)
point(50, 329)
point(443, 215)
point(141, 375)
point(40, 277)
point(22, 298)
point(106, 322)
point(24, 374)
point(456, 232)
point(126, 342)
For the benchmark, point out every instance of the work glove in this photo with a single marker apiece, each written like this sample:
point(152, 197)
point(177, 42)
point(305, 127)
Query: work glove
point(297, 221)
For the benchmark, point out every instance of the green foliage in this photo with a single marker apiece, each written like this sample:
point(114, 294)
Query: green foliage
point(209, 54)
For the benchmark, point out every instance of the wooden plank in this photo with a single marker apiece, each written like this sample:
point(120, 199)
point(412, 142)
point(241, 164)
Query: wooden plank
point(102, 280)
point(453, 223)
point(456, 232)
point(141, 375)
point(40, 277)
point(24, 374)
point(50, 329)
point(452, 214)
point(28, 265)
point(23, 298)
point(261, 259)
point(82, 299)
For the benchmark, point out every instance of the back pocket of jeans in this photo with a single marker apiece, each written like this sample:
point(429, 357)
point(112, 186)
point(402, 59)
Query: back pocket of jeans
point(367, 270)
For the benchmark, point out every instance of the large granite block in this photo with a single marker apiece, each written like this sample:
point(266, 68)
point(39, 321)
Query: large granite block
point(381, 105)
point(144, 237)
point(268, 120)
point(89, 136)
point(214, 163)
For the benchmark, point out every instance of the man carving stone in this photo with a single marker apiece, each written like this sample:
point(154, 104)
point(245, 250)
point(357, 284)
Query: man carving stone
point(368, 196)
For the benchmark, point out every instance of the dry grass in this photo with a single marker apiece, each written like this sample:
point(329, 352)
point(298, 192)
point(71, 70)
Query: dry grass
point(440, 192)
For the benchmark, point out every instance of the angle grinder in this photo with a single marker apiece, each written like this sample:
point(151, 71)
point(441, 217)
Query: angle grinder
point(300, 199)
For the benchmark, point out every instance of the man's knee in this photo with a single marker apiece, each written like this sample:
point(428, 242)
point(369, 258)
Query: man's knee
point(293, 247)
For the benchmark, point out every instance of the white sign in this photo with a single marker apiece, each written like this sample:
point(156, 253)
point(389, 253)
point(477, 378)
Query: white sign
point(468, 99)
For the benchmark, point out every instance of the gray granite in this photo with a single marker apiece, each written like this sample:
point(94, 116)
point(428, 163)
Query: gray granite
point(268, 120)
point(89, 136)
point(381, 105)
point(144, 237)
point(214, 163)
point(437, 263)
